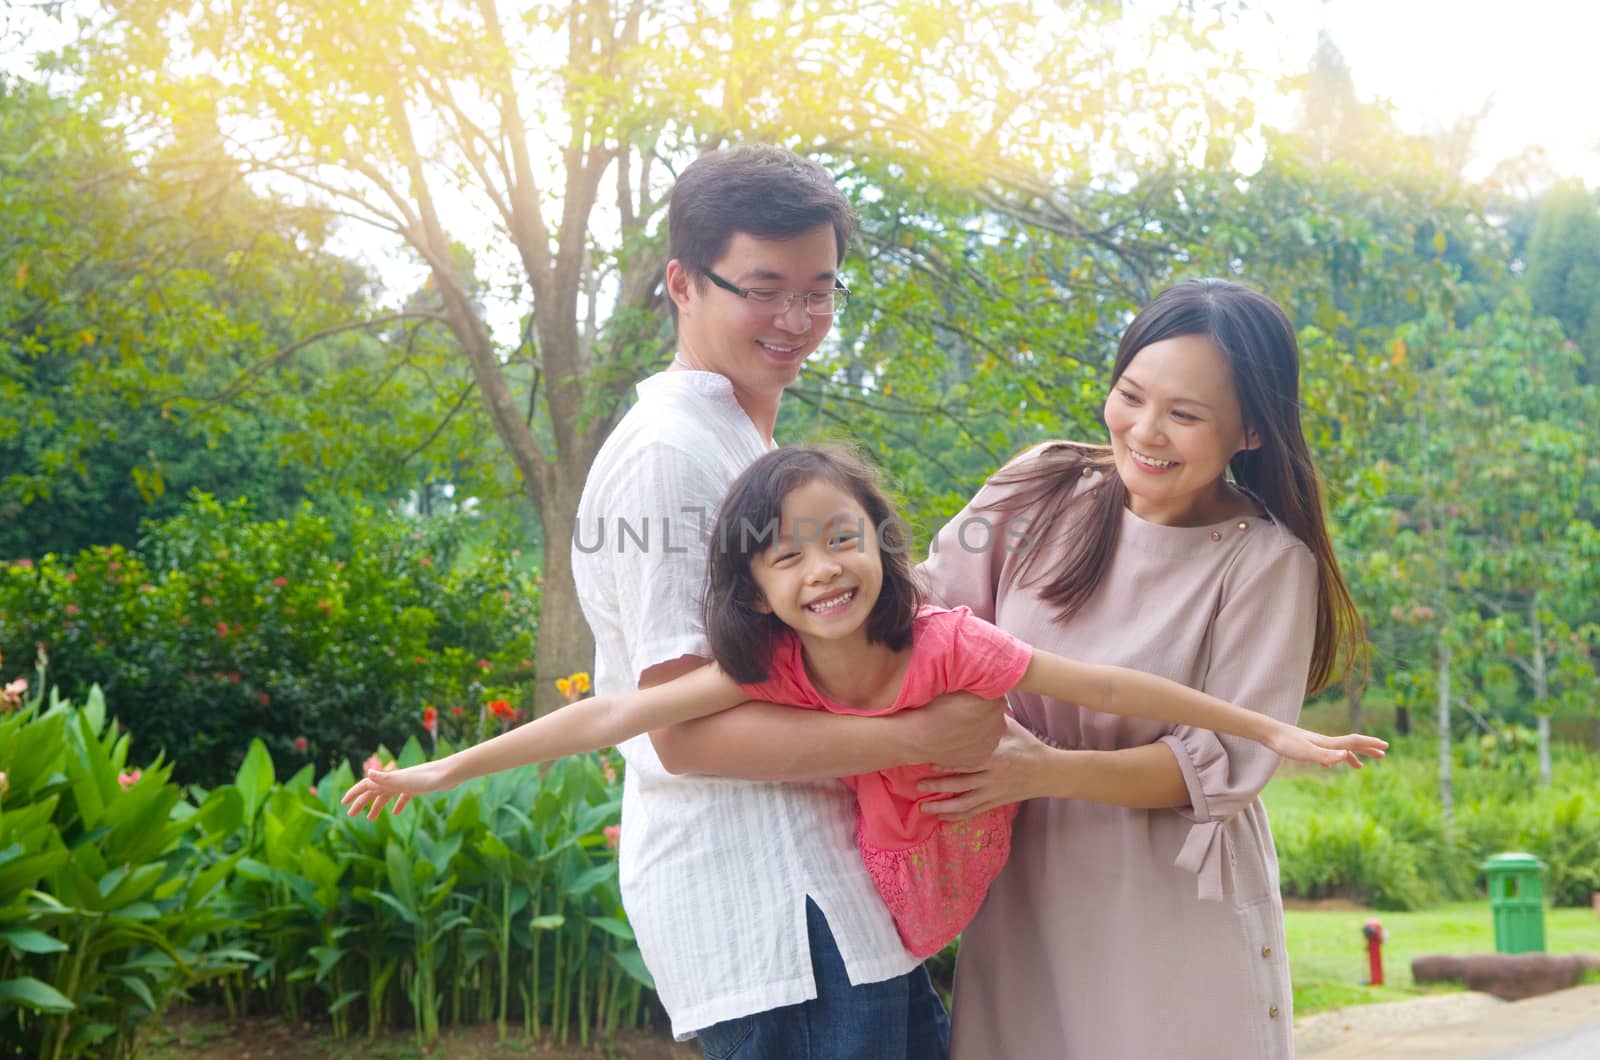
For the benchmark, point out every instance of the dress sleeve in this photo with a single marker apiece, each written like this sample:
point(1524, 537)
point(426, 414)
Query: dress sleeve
point(668, 501)
point(1261, 643)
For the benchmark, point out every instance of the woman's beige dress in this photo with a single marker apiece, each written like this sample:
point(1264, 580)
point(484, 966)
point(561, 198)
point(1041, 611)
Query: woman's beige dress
point(1130, 933)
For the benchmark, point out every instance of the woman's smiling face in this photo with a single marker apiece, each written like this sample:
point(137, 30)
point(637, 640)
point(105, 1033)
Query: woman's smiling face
point(1175, 422)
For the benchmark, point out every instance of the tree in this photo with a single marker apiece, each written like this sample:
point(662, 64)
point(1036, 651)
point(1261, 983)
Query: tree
point(555, 128)
point(1564, 267)
point(1477, 520)
point(148, 340)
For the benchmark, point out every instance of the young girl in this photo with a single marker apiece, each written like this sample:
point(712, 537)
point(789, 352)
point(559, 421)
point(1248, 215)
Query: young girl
point(810, 602)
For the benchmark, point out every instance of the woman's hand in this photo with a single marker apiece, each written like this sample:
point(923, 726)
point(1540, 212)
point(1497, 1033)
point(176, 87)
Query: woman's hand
point(1303, 745)
point(1019, 769)
point(380, 785)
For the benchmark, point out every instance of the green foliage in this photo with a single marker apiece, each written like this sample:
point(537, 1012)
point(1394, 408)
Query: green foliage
point(1380, 836)
point(118, 893)
point(151, 327)
point(323, 635)
point(1564, 267)
point(106, 885)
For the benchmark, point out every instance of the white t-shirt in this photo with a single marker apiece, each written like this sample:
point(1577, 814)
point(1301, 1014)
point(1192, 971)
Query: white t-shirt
point(714, 872)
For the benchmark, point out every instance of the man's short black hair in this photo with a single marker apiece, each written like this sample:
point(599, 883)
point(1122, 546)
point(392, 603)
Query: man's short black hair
point(759, 189)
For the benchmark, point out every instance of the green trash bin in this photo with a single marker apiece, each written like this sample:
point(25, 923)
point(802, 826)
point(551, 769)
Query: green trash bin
point(1516, 898)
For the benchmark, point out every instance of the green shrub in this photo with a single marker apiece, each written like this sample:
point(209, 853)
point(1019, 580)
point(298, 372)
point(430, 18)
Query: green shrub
point(119, 893)
point(1380, 836)
point(105, 881)
point(321, 635)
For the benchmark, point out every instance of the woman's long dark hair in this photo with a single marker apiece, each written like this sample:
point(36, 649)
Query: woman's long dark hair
point(743, 636)
point(1264, 356)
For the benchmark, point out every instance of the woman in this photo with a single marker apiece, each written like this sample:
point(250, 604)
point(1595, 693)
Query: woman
point(1139, 915)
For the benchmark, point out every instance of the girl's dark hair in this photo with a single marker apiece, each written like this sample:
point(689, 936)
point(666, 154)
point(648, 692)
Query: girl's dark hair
point(758, 189)
point(742, 637)
point(1264, 356)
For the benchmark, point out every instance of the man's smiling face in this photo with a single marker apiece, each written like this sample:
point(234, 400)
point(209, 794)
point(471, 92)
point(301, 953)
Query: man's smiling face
point(759, 349)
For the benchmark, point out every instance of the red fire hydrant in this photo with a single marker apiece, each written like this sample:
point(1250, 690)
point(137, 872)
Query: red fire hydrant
point(1374, 933)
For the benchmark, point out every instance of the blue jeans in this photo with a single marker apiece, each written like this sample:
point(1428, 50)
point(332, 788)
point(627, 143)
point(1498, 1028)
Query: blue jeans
point(891, 1020)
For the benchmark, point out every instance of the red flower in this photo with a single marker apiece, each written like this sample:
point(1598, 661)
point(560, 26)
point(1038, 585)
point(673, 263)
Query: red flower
point(72, 575)
point(613, 834)
point(266, 700)
point(222, 629)
point(426, 561)
point(25, 564)
point(302, 744)
point(483, 664)
point(430, 719)
point(113, 565)
point(72, 609)
point(457, 710)
point(501, 709)
point(280, 582)
point(233, 677)
point(128, 779)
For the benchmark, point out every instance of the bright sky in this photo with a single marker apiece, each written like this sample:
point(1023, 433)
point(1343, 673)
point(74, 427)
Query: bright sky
point(1435, 61)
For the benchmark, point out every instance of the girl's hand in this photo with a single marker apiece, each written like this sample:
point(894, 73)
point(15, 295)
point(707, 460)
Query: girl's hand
point(1019, 769)
point(379, 786)
point(1303, 745)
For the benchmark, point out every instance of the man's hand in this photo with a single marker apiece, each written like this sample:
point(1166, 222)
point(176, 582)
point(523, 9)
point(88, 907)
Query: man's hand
point(958, 729)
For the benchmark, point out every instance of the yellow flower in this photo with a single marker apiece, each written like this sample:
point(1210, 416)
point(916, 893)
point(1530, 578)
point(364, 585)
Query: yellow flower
point(580, 682)
point(564, 686)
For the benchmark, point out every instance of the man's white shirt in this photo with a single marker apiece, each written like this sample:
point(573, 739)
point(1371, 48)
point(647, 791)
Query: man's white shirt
point(714, 872)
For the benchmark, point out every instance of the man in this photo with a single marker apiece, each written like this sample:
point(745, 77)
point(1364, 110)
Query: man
point(751, 906)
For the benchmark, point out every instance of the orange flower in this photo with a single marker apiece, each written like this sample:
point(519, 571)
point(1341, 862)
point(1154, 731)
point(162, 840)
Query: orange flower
point(430, 719)
point(501, 709)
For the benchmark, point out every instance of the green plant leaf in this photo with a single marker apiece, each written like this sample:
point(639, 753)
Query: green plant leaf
point(31, 993)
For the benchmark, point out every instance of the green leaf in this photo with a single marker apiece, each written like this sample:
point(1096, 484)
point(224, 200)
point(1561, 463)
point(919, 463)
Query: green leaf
point(31, 993)
point(614, 927)
point(26, 940)
point(255, 778)
point(633, 963)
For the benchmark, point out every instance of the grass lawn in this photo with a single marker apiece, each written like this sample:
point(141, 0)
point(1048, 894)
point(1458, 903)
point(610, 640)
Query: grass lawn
point(1328, 953)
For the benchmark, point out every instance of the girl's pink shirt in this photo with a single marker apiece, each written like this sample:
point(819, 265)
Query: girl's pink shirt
point(951, 650)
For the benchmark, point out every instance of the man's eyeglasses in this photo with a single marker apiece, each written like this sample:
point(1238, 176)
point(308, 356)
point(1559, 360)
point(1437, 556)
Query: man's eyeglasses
point(817, 303)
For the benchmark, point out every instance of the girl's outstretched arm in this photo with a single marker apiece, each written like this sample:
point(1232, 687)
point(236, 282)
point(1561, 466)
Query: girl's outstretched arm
point(1115, 690)
point(586, 725)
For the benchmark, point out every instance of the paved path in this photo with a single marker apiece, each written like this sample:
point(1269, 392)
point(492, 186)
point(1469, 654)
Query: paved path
point(1560, 1026)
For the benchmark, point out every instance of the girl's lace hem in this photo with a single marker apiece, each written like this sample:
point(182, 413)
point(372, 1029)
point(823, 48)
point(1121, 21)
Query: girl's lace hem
point(934, 889)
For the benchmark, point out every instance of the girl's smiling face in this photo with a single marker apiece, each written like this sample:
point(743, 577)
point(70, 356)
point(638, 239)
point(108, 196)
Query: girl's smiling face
point(1175, 423)
point(822, 575)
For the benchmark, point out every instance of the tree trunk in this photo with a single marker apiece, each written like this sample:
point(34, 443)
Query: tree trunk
point(1446, 789)
point(1541, 690)
point(1354, 691)
point(565, 644)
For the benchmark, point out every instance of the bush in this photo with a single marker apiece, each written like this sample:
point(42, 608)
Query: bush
point(105, 881)
point(119, 893)
point(322, 636)
point(1379, 836)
